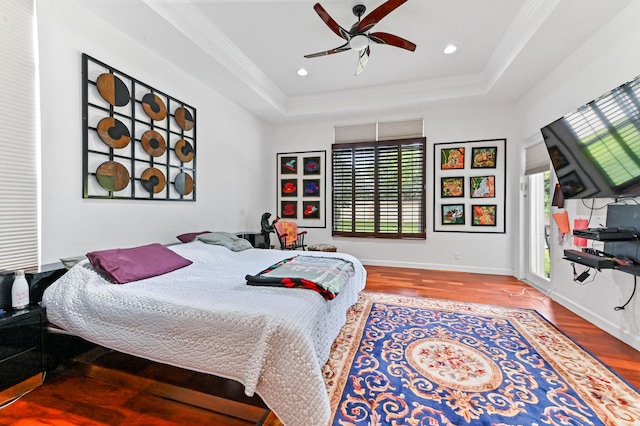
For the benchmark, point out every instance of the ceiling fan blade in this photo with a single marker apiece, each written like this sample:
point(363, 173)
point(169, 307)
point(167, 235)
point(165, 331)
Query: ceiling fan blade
point(378, 13)
point(338, 49)
point(362, 60)
point(392, 40)
point(331, 23)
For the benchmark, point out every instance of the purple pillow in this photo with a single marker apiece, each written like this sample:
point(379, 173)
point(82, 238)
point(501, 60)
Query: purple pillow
point(187, 238)
point(125, 265)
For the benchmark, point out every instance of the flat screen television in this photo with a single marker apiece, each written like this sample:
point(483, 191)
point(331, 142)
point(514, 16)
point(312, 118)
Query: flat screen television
point(595, 150)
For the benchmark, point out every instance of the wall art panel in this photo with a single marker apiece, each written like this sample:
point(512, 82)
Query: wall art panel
point(301, 183)
point(470, 186)
point(138, 142)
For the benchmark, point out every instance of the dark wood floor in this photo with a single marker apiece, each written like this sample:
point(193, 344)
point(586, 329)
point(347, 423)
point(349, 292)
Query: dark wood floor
point(69, 397)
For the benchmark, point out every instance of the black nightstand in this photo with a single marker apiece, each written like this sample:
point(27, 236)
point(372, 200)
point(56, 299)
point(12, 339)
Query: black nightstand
point(257, 239)
point(21, 351)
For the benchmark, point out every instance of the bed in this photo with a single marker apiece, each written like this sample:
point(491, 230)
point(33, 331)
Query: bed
point(205, 317)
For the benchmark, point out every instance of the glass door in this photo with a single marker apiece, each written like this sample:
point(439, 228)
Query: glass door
point(539, 218)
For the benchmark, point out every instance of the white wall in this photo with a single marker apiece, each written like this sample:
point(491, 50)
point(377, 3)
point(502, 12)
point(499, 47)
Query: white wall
point(230, 145)
point(236, 156)
point(606, 61)
point(484, 253)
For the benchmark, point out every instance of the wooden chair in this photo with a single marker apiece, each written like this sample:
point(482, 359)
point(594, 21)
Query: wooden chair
point(288, 235)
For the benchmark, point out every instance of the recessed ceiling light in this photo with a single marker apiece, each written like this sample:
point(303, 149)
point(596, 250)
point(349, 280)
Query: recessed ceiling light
point(302, 72)
point(450, 49)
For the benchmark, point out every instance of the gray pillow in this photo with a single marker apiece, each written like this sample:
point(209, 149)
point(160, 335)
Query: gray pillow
point(225, 239)
point(70, 262)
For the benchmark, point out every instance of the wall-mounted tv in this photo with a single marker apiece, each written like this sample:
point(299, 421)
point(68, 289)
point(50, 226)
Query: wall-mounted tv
point(595, 150)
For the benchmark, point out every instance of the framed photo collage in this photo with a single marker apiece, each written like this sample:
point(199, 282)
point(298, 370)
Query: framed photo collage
point(470, 186)
point(301, 184)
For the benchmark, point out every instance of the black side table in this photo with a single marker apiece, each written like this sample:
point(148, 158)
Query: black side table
point(257, 239)
point(21, 351)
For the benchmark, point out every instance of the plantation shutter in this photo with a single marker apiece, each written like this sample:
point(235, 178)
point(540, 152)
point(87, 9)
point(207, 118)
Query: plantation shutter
point(343, 189)
point(389, 209)
point(19, 156)
point(378, 180)
point(364, 188)
point(379, 189)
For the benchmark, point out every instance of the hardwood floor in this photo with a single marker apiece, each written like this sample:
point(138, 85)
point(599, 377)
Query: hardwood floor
point(70, 397)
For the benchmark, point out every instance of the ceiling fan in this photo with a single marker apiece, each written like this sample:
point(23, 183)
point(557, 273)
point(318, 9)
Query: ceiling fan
point(359, 37)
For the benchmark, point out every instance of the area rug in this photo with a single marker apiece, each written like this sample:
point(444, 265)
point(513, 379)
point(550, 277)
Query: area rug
point(418, 361)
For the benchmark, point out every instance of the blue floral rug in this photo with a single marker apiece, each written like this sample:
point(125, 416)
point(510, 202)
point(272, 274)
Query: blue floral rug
point(418, 361)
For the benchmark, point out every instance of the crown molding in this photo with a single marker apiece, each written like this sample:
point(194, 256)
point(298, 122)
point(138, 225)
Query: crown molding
point(528, 21)
point(186, 18)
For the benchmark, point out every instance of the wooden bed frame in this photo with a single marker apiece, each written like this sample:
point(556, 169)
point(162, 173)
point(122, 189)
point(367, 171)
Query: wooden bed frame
point(201, 390)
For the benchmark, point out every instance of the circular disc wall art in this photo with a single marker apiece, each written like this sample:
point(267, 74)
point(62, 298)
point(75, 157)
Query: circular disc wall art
point(153, 180)
point(153, 143)
point(138, 142)
point(154, 107)
point(184, 151)
point(184, 184)
point(113, 132)
point(112, 89)
point(184, 118)
point(112, 176)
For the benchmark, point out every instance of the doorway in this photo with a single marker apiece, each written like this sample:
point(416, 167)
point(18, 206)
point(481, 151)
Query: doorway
point(539, 225)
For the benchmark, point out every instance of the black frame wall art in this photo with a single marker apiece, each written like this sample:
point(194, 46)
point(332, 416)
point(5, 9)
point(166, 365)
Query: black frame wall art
point(301, 188)
point(138, 142)
point(452, 186)
point(452, 214)
point(470, 186)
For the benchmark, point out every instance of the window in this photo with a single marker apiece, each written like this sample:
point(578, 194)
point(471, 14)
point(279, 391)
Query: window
point(379, 189)
point(19, 159)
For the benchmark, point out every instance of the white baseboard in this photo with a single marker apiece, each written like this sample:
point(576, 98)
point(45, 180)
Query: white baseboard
point(598, 321)
point(438, 267)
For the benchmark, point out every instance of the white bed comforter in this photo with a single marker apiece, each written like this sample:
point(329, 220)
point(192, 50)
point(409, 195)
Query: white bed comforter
point(205, 318)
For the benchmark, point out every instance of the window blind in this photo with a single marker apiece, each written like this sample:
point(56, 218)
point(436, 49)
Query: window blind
point(536, 159)
point(400, 129)
point(18, 161)
point(379, 131)
point(357, 133)
point(378, 180)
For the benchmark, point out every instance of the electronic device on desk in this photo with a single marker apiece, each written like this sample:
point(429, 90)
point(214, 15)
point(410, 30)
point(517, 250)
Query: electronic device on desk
point(625, 217)
point(593, 260)
point(605, 234)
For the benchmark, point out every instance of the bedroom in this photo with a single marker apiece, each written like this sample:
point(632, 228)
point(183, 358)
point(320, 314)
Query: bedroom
point(71, 225)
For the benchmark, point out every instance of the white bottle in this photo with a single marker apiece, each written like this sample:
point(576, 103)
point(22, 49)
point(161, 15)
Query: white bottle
point(19, 291)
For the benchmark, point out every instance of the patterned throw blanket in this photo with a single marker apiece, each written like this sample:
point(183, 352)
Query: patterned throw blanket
point(326, 275)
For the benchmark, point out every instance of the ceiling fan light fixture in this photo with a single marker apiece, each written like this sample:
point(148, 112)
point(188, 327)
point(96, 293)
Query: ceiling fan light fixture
point(302, 72)
point(359, 42)
point(359, 36)
point(450, 49)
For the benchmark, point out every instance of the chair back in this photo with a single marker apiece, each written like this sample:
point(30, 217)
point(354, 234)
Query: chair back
point(290, 229)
